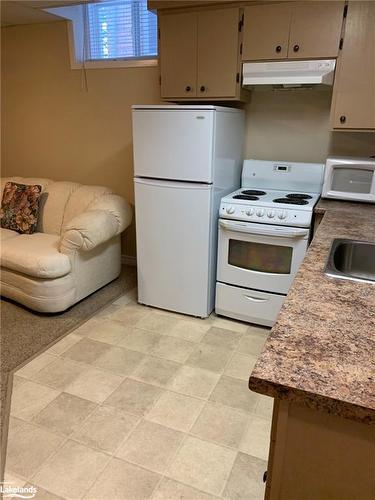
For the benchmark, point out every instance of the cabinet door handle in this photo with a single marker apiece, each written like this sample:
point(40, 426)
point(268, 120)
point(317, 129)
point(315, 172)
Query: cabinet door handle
point(203, 88)
point(278, 48)
point(296, 48)
point(187, 88)
point(342, 119)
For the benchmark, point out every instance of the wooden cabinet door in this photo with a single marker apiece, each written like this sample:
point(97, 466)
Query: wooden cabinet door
point(178, 54)
point(266, 31)
point(354, 89)
point(217, 53)
point(315, 30)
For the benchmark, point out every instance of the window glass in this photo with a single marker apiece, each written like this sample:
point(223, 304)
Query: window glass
point(260, 257)
point(120, 29)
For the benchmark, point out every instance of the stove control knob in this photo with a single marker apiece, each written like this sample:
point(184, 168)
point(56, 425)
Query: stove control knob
point(260, 212)
point(250, 212)
point(271, 214)
point(230, 210)
point(282, 214)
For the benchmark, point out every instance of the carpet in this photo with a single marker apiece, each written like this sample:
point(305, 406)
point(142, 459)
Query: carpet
point(25, 334)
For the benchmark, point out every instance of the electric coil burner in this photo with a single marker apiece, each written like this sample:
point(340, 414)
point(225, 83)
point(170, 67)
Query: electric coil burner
point(245, 197)
point(299, 196)
point(254, 192)
point(291, 201)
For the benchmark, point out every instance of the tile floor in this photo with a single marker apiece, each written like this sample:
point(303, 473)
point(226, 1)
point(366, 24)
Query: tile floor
point(139, 403)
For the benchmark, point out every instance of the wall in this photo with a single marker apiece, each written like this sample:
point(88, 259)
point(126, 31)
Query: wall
point(294, 125)
point(53, 128)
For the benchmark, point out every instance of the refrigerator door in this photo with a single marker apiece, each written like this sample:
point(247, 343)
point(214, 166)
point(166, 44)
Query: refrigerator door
point(174, 255)
point(174, 144)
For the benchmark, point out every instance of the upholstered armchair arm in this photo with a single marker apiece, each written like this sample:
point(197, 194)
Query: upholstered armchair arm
point(103, 220)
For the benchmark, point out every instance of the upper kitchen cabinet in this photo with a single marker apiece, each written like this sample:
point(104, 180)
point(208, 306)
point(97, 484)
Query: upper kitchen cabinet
point(178, 54)
point(315, 30)
point(199, 54)
point(353, 105)
point(292, 30)
point(217, 63)
point(266, 32)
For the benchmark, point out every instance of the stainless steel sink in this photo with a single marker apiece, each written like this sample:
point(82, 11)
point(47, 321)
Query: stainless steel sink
point(352, 260)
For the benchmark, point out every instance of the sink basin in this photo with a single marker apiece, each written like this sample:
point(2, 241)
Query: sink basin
point(352, 260)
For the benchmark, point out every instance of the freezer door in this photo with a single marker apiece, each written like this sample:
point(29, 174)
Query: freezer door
point(173, 245)
point(173, 144)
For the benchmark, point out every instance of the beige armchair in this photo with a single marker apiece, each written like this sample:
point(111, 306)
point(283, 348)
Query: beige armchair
point(75, 251)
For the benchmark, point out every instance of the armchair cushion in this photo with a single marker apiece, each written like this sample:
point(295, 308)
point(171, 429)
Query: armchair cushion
point(35, 255)
point(5, 234)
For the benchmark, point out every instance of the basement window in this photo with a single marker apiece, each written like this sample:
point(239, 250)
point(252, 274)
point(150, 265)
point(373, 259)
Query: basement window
point(111, 33)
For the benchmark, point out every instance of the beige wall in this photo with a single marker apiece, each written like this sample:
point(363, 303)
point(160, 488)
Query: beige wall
point(294, 125)
point(53, 128)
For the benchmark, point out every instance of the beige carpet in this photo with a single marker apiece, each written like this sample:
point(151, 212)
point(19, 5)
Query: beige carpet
point(25, 333)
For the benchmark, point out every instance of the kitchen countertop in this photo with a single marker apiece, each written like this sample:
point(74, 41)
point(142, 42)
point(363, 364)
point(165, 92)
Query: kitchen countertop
point(320, 352)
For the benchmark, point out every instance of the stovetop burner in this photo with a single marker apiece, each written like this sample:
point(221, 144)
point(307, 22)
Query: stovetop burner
point(299, 196)
point(255, 192)
point(245, 197)
point(291, 201)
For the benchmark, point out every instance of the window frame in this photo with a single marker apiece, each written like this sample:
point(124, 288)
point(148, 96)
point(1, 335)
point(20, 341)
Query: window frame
point(75, 16)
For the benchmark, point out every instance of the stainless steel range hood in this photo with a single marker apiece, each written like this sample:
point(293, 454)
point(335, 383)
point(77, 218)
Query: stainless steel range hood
point(289, 73)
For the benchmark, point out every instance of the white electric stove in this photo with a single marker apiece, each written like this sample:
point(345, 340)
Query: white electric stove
point(264, 230)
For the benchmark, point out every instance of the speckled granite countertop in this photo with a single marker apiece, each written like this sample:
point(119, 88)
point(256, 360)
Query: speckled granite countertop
point(321, 350)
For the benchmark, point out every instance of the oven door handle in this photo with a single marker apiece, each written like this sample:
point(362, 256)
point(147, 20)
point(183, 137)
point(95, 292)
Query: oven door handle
point(283, 232)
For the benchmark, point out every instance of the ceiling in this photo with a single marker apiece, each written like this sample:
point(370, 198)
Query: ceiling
point(15, 12)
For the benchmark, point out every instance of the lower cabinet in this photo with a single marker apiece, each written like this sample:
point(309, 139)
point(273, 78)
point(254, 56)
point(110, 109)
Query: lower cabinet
point(353, 105)
point(319, 456)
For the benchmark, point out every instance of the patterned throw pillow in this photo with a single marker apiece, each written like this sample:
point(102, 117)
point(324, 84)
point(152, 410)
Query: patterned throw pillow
point(20, 207)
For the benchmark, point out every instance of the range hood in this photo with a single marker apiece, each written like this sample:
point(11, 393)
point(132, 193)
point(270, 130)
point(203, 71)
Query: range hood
point(289, 73)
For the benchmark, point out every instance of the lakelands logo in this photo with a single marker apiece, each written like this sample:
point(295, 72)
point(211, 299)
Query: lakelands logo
point(8, 490)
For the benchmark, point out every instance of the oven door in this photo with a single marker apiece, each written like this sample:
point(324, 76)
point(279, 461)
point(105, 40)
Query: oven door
point(260, 256)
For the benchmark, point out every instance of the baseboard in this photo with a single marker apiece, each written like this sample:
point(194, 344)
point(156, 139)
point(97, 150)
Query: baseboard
point(128, 260)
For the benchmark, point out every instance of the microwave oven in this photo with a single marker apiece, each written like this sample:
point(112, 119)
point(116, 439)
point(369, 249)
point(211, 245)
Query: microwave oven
point(348, 178)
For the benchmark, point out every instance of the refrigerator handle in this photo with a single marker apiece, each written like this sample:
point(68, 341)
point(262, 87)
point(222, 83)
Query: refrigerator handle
point(171, 184)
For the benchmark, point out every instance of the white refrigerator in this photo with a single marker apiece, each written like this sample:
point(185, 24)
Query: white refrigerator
point(186, 158)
